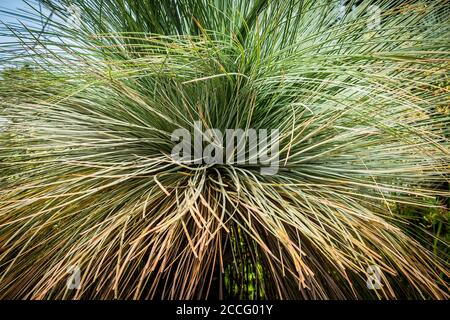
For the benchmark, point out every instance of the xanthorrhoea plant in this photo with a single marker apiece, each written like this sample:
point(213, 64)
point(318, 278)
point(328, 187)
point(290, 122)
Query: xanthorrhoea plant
point(87, 177)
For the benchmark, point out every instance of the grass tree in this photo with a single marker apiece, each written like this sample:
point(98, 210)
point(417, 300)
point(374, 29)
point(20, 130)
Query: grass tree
point(93, 89)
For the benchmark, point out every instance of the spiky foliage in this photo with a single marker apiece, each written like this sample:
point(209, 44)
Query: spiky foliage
point(87, 179)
